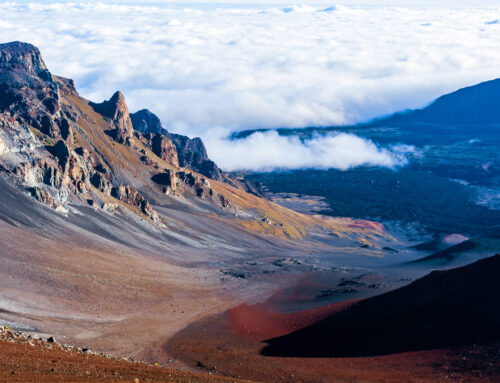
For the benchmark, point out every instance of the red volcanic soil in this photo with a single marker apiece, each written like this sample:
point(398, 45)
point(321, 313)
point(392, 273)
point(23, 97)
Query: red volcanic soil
point(23, 360)
point(260, 321)
point(228, 345)
point(232, 345)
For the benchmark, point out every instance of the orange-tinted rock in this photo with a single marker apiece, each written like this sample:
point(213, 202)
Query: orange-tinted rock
point(117, 111)
point(163, 148)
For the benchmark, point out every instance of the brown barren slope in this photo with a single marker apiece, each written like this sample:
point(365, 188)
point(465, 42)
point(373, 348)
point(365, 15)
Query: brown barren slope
point(30, 360)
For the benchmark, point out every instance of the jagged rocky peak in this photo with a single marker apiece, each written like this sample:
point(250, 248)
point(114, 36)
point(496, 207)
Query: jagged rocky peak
point(113, 107)
point(144, 121)
point(24, 57)
point(117, 111)
point(193, 155)
point(49, 146)
point(177, 149)
point(28, 90)
point(43, 146)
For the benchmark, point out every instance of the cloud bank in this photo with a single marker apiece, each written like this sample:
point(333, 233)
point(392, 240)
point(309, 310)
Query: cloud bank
point(210, 69)
point(265, 151)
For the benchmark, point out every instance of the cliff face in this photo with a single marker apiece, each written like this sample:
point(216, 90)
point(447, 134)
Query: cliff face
point(28, 92)
point(62, 148)
point(25, 58)
point(186, 152)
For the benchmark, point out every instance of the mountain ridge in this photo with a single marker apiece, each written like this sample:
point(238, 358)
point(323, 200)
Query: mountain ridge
point(42, 111)
point(469, 107)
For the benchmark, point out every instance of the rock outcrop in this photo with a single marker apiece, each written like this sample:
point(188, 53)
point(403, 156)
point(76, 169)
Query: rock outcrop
point(193, 155)
point(28, 92)
point(39, 133)
point(144, 121)
point(116, 110)
point(61, 151)
point(25, 58)
point(167, 179)
point(189, 153)
point(131, 196)
point(173, 182)
point(164, 148)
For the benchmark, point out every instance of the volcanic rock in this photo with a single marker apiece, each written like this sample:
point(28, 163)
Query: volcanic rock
point(23, 57)
point(42, 196)
point(27, 89)
point(144, 121)
point(117, 111)
point(163, 148)
point(189, 153)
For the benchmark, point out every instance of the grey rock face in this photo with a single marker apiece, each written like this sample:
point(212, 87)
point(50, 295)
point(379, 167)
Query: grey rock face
point(144, 121)
point(23, 57)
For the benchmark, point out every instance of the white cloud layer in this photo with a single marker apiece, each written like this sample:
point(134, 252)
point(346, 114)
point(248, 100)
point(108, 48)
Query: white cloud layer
point(210, 69)
point(264, 151)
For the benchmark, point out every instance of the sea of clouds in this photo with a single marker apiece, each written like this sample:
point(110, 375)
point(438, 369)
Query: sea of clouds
point(214, 68)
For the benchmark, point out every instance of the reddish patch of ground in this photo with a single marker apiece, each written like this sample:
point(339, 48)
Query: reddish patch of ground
point(260, 321)
point(20, 362)
point(228, 345)
point(231, 345)
point(456, 307)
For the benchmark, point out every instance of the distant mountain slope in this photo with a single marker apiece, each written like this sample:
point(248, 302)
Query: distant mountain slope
point(445, 308)
point(475, 105)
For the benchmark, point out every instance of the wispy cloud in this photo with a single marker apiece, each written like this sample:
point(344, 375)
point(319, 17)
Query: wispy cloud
point(206, 69)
